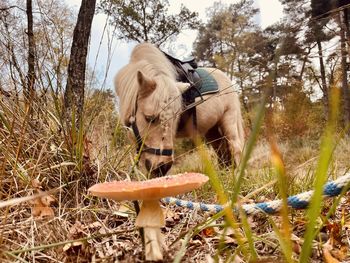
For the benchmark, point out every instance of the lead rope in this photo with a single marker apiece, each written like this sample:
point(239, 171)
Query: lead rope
point(299, 201)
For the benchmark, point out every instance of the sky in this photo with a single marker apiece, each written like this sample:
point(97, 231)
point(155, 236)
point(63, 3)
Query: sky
point(107, 55)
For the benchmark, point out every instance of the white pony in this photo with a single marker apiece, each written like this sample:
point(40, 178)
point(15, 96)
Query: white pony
point(151, 104)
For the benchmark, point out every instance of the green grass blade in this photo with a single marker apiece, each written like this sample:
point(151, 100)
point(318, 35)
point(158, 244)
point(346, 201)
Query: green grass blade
point(249, 148)
point(285, 232)
point(249, 236)
point(327, 145)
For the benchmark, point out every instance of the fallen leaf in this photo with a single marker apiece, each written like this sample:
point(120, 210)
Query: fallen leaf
point(36, 184)
point(76, 231)
point(169, 214)
point(123, 211)
point(47, 200)
point(296, 244)
point(208, 232)
point(328, 258)
point(334, 229)
point(42, 212)
point(94, 225)
point(74, 244)
point(42, 208)
point(41, 205)
point(196, 242)
point(53, 148)
point(74, 248)
point(340, 252)
point(171, 217)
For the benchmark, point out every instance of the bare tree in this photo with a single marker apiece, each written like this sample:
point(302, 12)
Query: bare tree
point(29, 90)
point(344, 86)
point(74, 92)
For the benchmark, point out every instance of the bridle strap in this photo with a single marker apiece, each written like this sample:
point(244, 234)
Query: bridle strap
point(145, 148)
point(137, 135)
point(166, 152)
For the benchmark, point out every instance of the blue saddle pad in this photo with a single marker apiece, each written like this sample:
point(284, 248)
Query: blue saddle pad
point(207, 84)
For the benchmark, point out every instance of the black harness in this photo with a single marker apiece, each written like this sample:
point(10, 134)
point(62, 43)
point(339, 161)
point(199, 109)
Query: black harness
point(143, 147)
point(186, 73)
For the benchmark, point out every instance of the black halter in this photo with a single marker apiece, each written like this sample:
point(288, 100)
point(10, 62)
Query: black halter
point(142, 146)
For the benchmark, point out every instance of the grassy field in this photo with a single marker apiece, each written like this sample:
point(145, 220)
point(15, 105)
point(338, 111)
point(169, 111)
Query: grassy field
point(37, 154)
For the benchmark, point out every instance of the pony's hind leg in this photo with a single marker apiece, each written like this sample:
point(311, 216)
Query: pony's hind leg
point(232, 130)
point(220, 146)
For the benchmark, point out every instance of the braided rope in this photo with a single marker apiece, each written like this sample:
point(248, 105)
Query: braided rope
point(299, 201)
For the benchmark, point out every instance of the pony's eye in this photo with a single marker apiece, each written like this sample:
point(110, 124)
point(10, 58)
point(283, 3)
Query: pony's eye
point(151, 119)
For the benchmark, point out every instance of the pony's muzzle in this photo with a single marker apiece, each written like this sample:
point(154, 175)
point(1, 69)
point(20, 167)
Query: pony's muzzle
point(165, 167)
point(160, 170)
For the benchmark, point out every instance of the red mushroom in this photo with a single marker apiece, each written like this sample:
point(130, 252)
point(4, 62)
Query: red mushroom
point(151, 217)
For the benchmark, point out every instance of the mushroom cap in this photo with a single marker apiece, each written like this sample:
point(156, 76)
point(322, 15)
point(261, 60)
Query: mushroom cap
point(152, 189)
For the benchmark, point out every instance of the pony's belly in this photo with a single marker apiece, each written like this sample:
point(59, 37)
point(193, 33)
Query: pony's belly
point(208, 115)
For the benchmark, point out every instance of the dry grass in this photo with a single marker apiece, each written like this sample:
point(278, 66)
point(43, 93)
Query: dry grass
point(35, 147)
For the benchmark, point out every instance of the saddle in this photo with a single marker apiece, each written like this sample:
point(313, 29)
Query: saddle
point(186, 70)
point(200, 81)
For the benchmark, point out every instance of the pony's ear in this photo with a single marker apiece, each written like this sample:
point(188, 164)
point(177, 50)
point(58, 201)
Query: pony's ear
point(182, 86)
point(146, 84)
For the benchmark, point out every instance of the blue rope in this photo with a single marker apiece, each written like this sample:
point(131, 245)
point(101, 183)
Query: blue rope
point(299, 201)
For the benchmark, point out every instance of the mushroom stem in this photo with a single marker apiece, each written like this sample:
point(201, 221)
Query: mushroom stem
point(153, 243)
point(151, 218)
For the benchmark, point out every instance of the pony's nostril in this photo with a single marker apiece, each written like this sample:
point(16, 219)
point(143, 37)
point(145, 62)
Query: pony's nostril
point(148, 165)
point(165, 167)
point(161, 169)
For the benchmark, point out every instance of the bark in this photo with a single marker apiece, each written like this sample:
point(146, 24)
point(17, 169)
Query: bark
point(305, 60)
point(347, 37)
point(144, 25)
point(324, 86)
point(347, 29)
point(74, 92)
point(344, 86)
point(29, 90)
point(244, 101)
point(274, 83)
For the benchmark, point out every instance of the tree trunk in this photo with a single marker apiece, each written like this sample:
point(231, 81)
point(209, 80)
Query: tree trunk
point(347, 37)
point(324, 86)
point(244, 101)
point(345, 88)
point(274, 84)
point(74, 93)
point(347, 29)
point(29, 91)
point(306, 57)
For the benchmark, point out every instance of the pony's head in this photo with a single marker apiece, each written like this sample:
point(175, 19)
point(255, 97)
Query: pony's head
point(150, 104)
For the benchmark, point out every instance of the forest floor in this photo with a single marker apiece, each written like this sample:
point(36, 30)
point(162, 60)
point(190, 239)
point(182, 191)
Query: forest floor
point(69, 225)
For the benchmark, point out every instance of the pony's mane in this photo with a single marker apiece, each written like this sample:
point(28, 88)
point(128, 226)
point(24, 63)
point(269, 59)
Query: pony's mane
point(155, 57)
point(153, 64)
